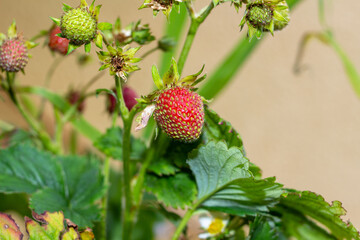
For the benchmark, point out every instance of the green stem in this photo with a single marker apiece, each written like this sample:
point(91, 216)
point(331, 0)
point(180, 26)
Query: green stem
point(127, 118)
point(43, 136)
point(195, 23)
point(73, 141)
point(59, 126)
point(149, 52)
point(106, 173)
point(183, 223)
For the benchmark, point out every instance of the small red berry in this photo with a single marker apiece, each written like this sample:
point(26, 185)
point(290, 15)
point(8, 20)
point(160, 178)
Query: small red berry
point(180, 113)
point(58, 44)
point(129, 96)
point(13, 55)
point(73, 97)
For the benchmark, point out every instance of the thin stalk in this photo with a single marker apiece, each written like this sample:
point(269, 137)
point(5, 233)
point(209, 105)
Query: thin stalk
point(73, 141)
point(149, 52)
point(194, 25)
point(93, 80)
point(35, 126)
point(59, 126)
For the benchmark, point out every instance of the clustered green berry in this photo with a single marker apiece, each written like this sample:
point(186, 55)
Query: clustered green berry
point(79, 26)
point(259, 15)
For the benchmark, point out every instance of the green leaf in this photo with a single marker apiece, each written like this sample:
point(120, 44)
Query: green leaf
point(312, 205)
point(103, 26)
point(111, 144)
point(162, 167)
point(263, 228)
point(175, 191)
point(69, 184)
point(225, 182)
point(295, 224)
point(218, 129)
point(9, 230)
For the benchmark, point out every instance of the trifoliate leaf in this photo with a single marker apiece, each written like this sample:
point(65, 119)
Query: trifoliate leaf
point(8, 228)
point(111, 144)
point(225, 182)
point(313, 205)
point(175, 191)
point(69, 184)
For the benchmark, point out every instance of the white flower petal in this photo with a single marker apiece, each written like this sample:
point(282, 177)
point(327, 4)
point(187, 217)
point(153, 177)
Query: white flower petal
point(205, 235)
point(205, 221)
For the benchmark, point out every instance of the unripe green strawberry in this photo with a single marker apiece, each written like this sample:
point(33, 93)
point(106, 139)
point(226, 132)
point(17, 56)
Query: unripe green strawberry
point(180, 113)
point(79, 26)
point(13, 55)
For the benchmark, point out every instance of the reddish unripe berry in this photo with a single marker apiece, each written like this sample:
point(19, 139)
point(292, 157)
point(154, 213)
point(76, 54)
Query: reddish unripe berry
point(73, 97)
point(58, 44)
point(13, 55)
point(180, 113)
point(129, 96)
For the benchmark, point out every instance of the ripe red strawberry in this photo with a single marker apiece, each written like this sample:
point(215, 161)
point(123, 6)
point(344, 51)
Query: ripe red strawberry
point(180, 113)
point(13, 55)
point(129, 96)
point(58, 44)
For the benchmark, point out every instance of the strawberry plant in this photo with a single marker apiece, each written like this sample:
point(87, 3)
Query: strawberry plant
point(166, 157)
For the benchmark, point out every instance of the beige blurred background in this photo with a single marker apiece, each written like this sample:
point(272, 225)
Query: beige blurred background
point(303, 129)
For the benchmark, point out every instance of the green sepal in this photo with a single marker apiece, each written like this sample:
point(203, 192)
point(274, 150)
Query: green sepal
point(83, 3)
point(117, 25)
point(30, 45)
point(91, 8)
point(111, 50)
point(216, 2)
point(12, 30)
point(103, 26)
point(2, 38)
point(97, 12)
point(66, 7)
point(191, 79)
point(99, 41)
point(104, 66)
point(55, 20)
point(87, 47)
point(131, 52)
point(59, 35)
point(156, 77)
point(71, 48)
point(172, 75)
point(103, 55)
